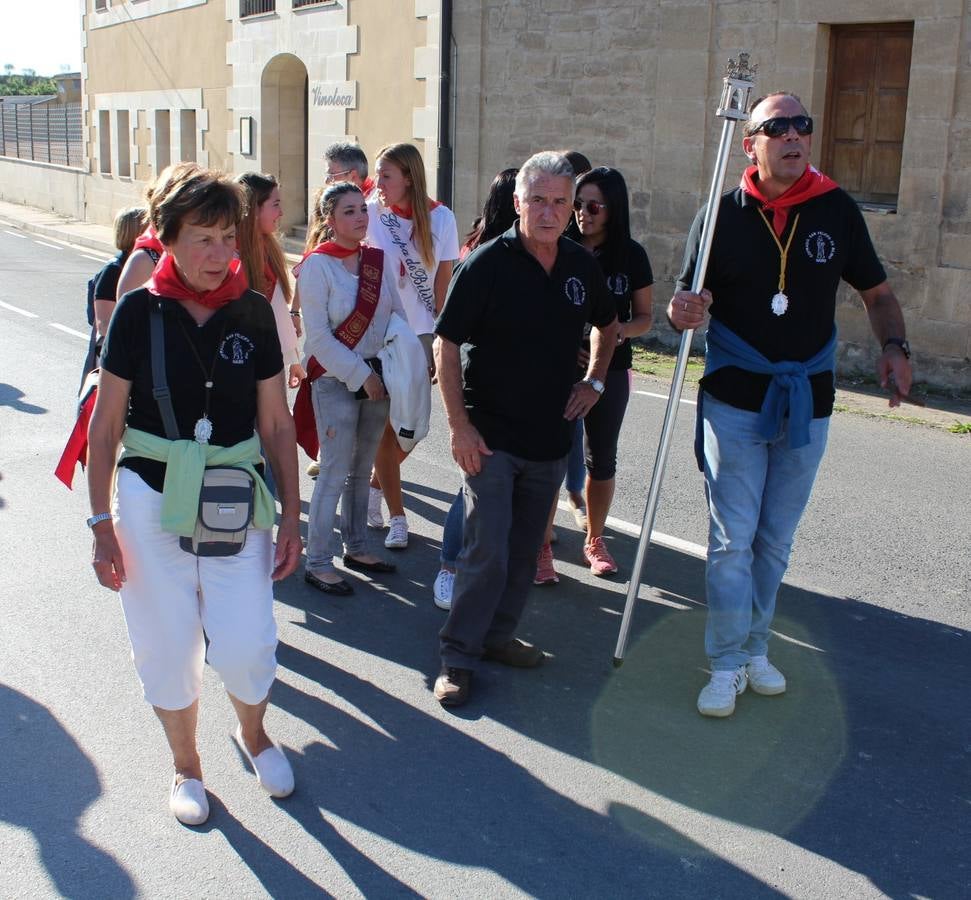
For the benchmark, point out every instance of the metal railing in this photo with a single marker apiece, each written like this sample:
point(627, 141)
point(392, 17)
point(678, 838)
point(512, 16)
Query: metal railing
point(47, 132)
point(298, 4)
point(256, 7)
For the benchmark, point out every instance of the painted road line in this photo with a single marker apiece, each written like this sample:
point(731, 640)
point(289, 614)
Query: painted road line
point(657, 537)
point(45, 244)
point(17, 309)
point(14, 234)
point(665, 397)
point(98, 259)
point(67, 330)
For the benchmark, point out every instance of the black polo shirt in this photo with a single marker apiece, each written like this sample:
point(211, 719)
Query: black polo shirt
point(523, 328)
point(242, 339)
point(831, 242)
point(632, 274)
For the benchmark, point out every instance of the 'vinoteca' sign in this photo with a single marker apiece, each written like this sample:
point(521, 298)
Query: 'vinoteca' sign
point(331, 94)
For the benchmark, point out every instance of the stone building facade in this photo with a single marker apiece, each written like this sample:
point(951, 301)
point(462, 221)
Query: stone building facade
point(635, 84)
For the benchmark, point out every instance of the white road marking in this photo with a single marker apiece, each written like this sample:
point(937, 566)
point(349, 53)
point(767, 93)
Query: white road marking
point(657, 537)
point(67, 330)
point(17, 309)
point(665, 397)
point(97, 259)
point(45, 244)
point(14, 234)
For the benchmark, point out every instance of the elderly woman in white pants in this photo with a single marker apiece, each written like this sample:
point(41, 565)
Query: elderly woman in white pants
point(224, 371)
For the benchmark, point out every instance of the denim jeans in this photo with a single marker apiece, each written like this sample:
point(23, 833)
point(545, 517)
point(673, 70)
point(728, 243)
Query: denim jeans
point(757, 491)
point(576, 471)
point(452, 534)
point(349, 431)
point(506, 508)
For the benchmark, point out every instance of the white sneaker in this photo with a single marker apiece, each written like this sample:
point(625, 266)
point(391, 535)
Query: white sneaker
point(188, 801)
point(764, 677)
point(271, 768)
point(442, 589)
point(397, 538)
point(717, 698)
point(375, 517)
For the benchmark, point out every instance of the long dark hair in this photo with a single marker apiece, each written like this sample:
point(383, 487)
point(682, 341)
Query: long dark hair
point(613, 251)
point(498, 213)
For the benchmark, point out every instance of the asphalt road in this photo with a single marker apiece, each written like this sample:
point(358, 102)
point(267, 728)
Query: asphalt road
point(575, 780)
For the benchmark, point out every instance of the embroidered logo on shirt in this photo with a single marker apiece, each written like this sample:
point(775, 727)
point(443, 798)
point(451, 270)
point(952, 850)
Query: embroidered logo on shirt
point(820, 247)
point(618, 284)
point(236, 348)
point(575, 290)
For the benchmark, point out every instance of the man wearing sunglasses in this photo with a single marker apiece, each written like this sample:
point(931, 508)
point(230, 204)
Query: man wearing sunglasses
point(783, 241)
point(347, 162)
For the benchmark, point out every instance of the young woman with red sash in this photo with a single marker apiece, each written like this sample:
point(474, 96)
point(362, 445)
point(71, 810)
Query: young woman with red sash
point(266, 266)
point(420, 239)
point(347, 301)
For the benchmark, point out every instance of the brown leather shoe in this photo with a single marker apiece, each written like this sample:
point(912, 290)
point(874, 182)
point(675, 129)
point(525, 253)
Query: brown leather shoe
point(452, 686)
point(515, 653)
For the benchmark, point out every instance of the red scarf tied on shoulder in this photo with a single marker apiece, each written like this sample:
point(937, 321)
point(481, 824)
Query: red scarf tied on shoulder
point(810, 184)
point(403, 212)
point(167, 282)
point(148, 240)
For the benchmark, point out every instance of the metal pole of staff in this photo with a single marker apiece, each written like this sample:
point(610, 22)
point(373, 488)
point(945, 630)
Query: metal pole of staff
point(733, 106)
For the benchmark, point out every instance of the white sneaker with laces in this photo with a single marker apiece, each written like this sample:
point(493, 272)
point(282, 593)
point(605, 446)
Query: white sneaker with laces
point(397, 538)
point(717, 698)
point(764, 677)
point(442, 589)
point(375, 517)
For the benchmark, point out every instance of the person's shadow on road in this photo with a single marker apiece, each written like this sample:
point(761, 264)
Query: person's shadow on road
point(46, 786)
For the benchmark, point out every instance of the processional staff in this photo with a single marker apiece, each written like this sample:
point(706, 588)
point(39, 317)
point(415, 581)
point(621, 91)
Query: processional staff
point(738, 81)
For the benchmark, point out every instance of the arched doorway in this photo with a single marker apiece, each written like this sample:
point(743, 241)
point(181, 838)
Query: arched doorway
point(283, 133)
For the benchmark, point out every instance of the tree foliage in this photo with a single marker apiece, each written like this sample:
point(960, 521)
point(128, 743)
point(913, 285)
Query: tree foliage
point(25, 85)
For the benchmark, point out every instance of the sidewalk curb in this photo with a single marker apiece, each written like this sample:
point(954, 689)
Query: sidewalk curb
point(60, 232)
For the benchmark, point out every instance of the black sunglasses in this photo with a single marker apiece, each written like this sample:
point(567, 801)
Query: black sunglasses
point(592, 207)
point(778, 126)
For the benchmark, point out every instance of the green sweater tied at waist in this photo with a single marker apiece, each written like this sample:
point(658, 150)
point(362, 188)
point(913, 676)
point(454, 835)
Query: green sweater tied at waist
point(185, 463)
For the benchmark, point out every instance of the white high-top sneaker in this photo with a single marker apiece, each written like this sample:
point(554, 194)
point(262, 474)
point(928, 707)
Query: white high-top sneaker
point(375, 516)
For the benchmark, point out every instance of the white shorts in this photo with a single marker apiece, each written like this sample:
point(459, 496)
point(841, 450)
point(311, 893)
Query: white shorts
point(171, 599)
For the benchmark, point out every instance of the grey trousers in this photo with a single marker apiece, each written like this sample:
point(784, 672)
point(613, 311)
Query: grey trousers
point(506, 508)
point(349, 431)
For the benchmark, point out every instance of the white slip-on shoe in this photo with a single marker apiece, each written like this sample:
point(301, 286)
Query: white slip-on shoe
point(272, 769)
point(375, 516)
point(397, 538)
point(717, 698)
point(188, 801)
point(765, 678)
point(442, 589)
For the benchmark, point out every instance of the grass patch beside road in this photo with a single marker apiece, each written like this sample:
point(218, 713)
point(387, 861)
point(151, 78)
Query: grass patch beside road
point(660, 363)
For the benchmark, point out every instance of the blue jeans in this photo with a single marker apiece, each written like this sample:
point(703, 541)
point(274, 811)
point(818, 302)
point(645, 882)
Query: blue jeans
point(576, 471)
point(453, 531)
point(757, 491)
point(349, 431)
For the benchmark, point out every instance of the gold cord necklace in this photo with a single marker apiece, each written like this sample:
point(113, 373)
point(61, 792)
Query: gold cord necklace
point(780, 302)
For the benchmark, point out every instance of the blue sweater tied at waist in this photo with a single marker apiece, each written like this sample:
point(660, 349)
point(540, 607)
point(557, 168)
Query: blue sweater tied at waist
point(789, 389)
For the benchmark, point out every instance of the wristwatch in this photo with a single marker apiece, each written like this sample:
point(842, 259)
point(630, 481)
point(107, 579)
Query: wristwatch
point(898, 342)
point(100, 517)
point(595, 383)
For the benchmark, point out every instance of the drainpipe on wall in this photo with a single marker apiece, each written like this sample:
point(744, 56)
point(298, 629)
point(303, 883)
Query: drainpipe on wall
point(444, 193)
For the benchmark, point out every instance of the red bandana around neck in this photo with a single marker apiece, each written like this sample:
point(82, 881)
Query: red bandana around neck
point(367, 186)
point(166, 282)
point(405, 213)
point(326, 248)
point(148, 240)
point(811, 184)
point(269, 280)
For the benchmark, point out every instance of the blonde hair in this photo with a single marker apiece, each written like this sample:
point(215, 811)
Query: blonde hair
point(129, 224)
point(257, 250)
point(407, 158)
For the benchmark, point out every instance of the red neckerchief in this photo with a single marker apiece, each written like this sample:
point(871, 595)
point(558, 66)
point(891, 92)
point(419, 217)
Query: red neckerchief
point(148, 240)
point(269, 277)
point(367, 186)
point(326, 248)
point(349, 332)
point(166, 282)
point(811, 184)
point(403, 213)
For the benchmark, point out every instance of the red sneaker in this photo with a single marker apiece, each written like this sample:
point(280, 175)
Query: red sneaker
point(598, 557)
point(545, 573)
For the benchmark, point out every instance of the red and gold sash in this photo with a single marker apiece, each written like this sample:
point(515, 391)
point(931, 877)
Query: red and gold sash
point(349, 333)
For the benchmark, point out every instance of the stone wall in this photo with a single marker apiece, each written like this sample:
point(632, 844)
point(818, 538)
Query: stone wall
point(44, 186)
point(634, 84)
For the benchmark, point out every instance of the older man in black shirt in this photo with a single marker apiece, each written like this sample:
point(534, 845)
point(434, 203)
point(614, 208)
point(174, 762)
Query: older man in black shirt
point(783, 241)
point(521, 302)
